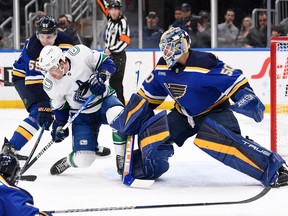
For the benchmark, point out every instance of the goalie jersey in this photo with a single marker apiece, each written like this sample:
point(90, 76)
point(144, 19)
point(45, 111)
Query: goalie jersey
point(205, 83)
point(15, 201)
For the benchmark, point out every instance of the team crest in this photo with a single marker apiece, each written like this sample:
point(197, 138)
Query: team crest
point(176, 90)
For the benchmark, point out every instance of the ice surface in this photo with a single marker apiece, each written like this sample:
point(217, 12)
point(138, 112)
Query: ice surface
point(193, 177)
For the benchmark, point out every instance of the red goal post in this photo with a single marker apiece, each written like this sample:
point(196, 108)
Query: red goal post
point(279, 95)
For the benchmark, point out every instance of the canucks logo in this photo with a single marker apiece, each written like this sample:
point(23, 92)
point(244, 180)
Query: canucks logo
point(81, 91)
point(176, 90)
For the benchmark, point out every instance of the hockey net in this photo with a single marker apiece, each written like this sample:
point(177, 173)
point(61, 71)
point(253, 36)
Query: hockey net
point(279, 95)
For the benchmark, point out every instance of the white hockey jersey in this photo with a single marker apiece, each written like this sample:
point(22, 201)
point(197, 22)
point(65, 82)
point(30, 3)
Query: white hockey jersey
point(73, 87)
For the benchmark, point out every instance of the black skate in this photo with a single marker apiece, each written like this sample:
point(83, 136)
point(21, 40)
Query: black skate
point(7, 148)
point(59, 167)
point(103, 151)
point(120, 164)
point(282, 178)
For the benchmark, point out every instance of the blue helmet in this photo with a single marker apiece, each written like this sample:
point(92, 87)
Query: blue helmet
point(9, 167)
point(47, 25)
point(173, 44)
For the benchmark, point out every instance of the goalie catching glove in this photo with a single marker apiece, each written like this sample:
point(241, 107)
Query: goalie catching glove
point(58, 135)
point(45, 115)
point(247, 103)
point(97, 86)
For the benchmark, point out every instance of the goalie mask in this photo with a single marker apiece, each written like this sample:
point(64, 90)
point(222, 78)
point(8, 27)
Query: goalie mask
point(50, 58)
point(173, 44)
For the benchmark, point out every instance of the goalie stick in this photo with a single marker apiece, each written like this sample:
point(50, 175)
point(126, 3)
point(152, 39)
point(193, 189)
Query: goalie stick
point(256, 197)
point(127, 177)
point(65, 126)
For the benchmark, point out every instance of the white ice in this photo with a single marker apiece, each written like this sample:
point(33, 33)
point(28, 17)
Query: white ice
point(193, 177)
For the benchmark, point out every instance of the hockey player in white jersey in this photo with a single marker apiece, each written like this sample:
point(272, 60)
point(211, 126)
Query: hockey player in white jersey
point(70, 78)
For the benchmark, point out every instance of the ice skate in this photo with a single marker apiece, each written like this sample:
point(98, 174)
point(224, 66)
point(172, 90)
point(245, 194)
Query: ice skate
point(282, 179)
point(120, 164)
point(59, 167)
point(7, 148)
point(103, 151)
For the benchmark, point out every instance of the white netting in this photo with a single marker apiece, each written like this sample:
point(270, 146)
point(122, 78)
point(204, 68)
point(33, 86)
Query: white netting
point(282, 98)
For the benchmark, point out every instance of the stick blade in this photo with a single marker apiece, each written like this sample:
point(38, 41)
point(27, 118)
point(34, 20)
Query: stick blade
point(128, 180)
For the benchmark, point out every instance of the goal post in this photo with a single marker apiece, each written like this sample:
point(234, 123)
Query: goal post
point(279, 95)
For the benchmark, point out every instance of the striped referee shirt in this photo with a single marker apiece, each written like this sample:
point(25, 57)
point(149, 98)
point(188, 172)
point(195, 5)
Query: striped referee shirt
point(117, 34)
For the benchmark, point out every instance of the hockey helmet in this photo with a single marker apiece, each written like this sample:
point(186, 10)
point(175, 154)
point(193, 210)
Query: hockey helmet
point(9, 167)
point(173, 44)
point(114, 4)
point(47, 25)
point(50, 57)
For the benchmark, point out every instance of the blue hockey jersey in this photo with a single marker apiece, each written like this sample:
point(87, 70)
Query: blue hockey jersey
point(27, 64)
point(205, 83)
point(15, 201)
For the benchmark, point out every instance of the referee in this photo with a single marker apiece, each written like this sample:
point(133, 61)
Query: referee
point(117, 38)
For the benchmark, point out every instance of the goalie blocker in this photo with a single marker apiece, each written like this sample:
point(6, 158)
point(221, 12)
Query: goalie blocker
point(150, 160)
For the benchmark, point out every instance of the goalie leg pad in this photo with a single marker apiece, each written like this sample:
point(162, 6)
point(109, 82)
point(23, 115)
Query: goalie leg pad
point(154, 154)
point(237, 152)
point(154, 165)
point(133, 116)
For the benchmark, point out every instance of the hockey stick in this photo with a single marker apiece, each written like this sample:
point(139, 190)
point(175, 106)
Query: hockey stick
point(28, 178)
point(33, 150)
point(256, 197)
point(7, 83)
point(65, 127)
point(127, 177)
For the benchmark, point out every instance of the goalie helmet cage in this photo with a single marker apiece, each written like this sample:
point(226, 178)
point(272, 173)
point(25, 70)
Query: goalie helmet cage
point(279, 95)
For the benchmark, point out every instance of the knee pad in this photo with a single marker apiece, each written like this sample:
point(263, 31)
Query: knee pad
point(81, 159)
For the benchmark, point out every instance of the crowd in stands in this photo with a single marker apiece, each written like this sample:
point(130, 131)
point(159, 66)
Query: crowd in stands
point(229, 35)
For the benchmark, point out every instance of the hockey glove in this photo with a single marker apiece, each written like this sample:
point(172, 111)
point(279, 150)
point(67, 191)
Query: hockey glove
point(97, 86)
point(45, 115)
point(58, 135)
point(247, 103)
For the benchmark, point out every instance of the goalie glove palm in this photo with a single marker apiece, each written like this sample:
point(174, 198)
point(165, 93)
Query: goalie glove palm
point(248, 104)
point(58, 134)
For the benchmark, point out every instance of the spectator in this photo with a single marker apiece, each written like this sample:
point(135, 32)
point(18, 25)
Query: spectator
point(1, 38)
point(39, 14)
point(257, 36)
point(227, 31)
point(152, 32)
point(177, 15)
point(65, 23)
point(203, 34)
point(5, 42)
point(117, 38)
point(244, 31)
point(284, 24)
point(277, 31)
point(188, 23)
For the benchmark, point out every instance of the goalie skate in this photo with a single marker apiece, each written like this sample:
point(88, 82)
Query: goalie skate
point(282, 179)
point(7, 148)
point(59, 167)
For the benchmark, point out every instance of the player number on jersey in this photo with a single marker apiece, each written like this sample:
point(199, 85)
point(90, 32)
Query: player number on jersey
point(227, 70)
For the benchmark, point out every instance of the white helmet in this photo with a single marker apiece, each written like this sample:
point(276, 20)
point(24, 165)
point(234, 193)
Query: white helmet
point(173, 44)
point(50, 57)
